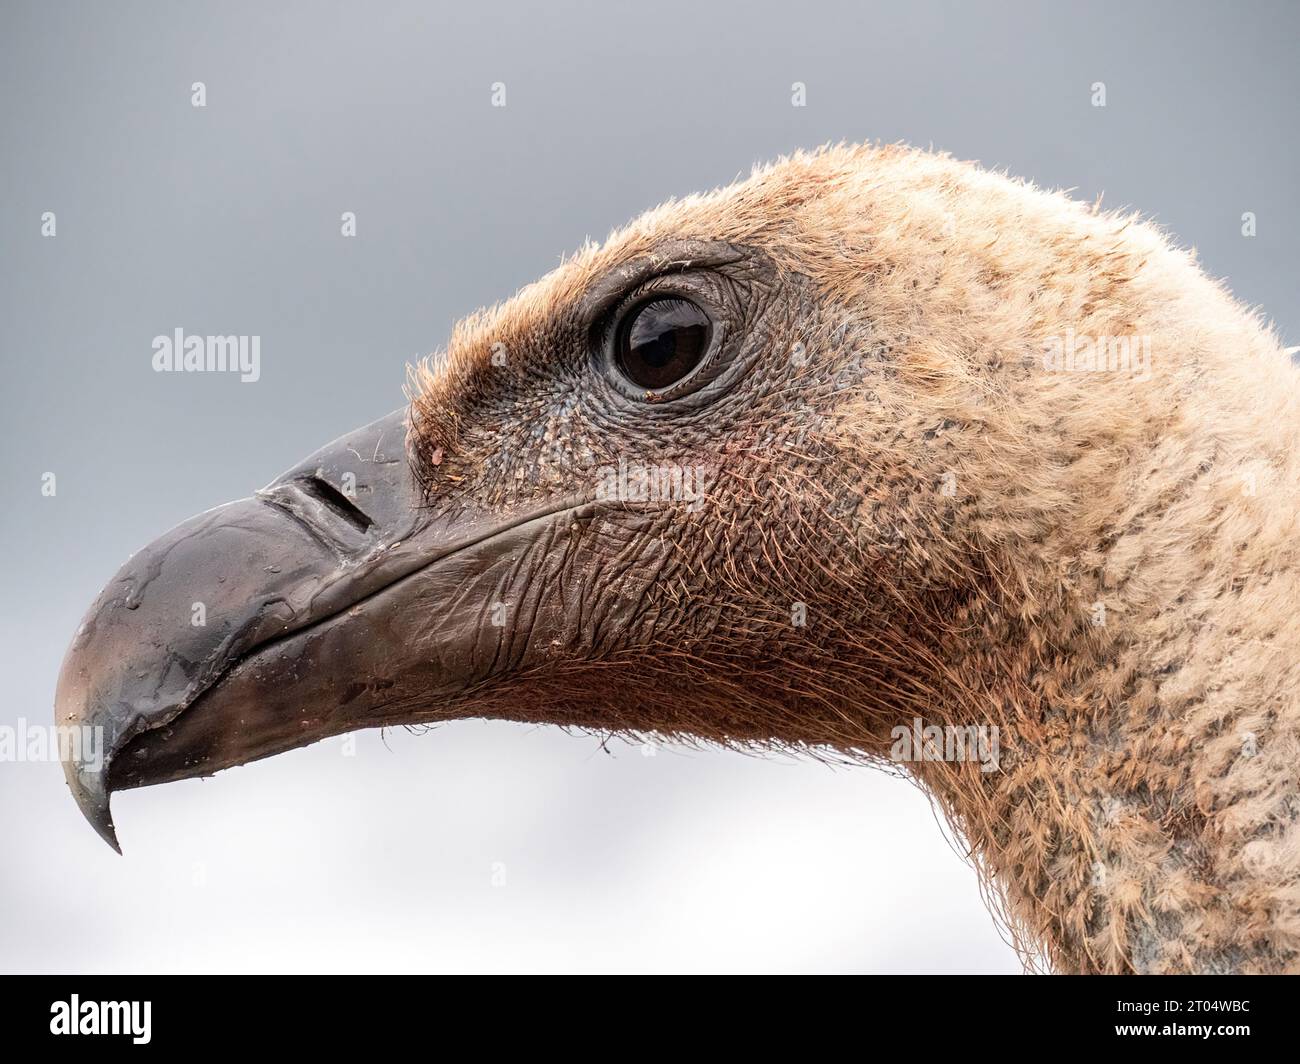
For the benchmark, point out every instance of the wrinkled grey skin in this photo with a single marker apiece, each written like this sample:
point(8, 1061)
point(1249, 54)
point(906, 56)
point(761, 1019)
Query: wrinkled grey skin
point(495, 582)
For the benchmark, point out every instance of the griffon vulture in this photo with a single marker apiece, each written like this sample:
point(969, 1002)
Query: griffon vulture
point(873, 445)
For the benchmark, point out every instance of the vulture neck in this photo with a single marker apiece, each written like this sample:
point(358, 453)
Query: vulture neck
point(1141, 671)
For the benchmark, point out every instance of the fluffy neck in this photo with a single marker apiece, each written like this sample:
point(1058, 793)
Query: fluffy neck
point(1141, 664)
point(1143, 814)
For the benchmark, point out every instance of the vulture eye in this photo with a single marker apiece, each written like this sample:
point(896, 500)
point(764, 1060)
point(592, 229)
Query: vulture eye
point(662, 340)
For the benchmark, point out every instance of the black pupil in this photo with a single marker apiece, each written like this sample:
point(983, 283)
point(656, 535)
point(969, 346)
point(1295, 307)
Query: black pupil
point(661, 341)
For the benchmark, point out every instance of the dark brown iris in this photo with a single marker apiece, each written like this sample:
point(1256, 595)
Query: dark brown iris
point(661, 341)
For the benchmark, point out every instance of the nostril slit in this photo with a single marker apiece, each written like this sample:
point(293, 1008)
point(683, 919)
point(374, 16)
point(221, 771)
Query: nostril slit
point(333, 499)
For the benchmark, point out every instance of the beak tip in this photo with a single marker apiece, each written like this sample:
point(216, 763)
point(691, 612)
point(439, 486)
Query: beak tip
point(92, 798)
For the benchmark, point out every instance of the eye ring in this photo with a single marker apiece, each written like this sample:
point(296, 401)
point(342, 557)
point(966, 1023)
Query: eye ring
point(659, 343)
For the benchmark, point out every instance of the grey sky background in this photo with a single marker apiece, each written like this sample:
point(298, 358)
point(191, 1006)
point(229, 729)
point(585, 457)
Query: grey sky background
point(225, 219)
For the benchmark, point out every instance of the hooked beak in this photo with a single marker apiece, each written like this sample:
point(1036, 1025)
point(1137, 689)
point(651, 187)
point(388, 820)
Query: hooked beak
point(335, 598)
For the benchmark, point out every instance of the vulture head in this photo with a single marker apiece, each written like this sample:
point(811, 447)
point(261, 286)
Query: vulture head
point(874, 455)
